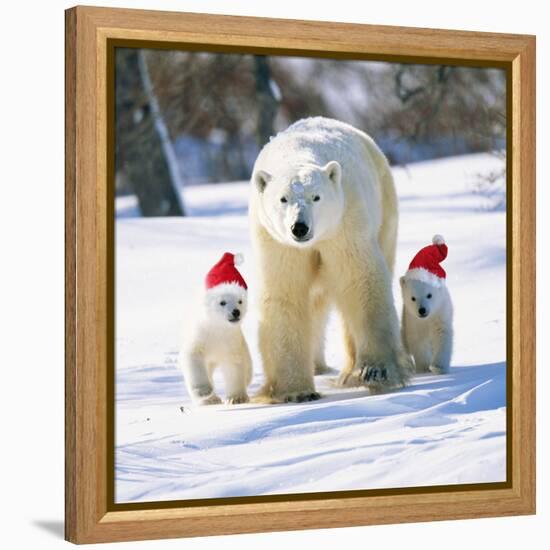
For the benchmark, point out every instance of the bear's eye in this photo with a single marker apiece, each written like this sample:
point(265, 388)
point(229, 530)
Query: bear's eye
point(429, 296)
point(240, 301)
point(283, 199)
point(222, 303)
point(413, 299)
point(316, 198)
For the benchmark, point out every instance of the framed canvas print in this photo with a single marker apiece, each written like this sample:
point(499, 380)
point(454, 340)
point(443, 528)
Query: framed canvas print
point(300, 274)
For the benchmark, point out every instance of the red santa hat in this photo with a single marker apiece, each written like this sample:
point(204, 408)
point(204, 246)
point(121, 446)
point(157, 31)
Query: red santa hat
point(225, 272)
point(425, 265)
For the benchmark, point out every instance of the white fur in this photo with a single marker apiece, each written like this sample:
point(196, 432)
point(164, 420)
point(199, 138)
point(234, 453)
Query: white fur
point(345, 260)
point(212, 340)
point(428, 339)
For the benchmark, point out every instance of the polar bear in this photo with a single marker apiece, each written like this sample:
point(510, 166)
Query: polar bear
point(427, 320)
point(323, 214)
point(214, 339)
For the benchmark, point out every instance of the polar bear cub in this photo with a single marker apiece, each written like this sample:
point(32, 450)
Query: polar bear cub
point(427, 322)
point(215, 340)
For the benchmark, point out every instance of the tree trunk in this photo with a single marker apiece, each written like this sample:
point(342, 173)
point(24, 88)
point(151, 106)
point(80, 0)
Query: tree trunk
point(268, 97)
point(143, 148)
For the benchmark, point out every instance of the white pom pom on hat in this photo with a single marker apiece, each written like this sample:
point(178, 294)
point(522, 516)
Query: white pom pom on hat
point(238, 258)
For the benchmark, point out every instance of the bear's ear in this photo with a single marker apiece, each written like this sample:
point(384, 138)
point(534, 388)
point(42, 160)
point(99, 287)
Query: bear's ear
point(334, 171)
point(261, 179)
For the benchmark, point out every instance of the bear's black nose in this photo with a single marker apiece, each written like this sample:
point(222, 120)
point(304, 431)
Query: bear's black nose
point(299, 230)
point(422, 311)
point(236, 313)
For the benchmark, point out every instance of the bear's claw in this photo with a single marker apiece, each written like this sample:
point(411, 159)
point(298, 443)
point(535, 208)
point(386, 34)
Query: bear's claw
point(382, 377)
point(302, 397)
point(374, 374)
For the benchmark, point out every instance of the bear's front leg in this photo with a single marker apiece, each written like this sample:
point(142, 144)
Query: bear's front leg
point(237, 377)
point(442, 344)
point(285, 332)
point(235, 385)
point(285, 345)
point(368, 308)
point(198, 381)
point(383, 363)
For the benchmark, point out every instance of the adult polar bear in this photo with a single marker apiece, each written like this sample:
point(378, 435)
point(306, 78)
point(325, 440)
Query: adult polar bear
point(323, 214)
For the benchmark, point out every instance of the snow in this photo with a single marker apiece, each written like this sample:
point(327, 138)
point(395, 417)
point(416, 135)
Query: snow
point(440, 430)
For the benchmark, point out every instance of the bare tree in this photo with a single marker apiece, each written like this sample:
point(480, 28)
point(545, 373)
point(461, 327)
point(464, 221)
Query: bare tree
point(162, 130)
point(142, 151)
point(424, 93)
point(268, 98)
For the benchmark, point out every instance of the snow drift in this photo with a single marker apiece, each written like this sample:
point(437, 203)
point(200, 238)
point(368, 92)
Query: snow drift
point(440, 430)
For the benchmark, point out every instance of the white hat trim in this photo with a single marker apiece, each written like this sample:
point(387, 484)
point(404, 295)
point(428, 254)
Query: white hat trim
point(425, 276)
point(224, 288)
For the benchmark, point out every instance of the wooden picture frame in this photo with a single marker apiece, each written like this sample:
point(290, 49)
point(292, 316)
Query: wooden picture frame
point(91, 33)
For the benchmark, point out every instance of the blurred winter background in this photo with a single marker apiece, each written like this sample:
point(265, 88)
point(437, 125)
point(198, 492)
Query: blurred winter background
point(188, 129)
point(187, 118)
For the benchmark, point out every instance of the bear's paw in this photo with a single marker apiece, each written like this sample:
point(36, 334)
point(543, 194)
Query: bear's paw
point(438, 369)
point(381, 376)
point(237, 399)
point(211, 399)
point(302, 397)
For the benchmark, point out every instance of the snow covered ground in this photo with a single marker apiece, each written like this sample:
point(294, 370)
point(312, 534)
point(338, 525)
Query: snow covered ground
point(440, 430)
